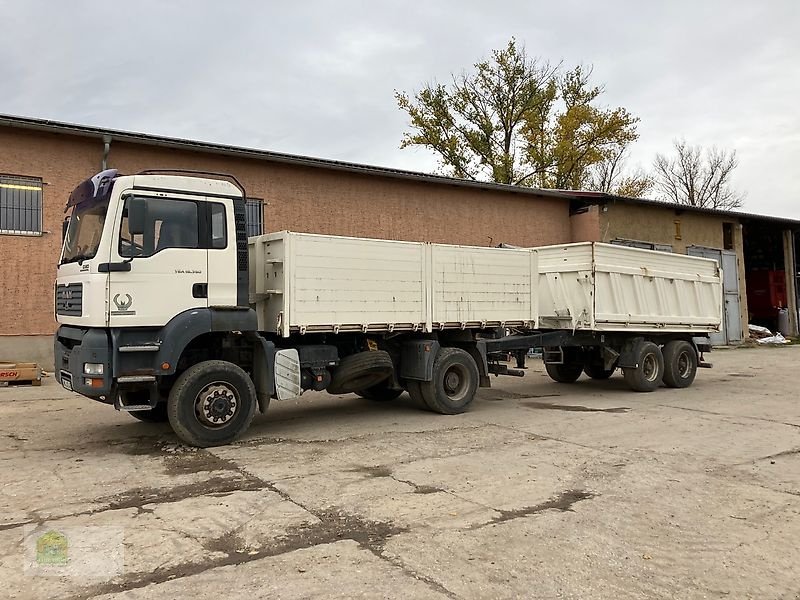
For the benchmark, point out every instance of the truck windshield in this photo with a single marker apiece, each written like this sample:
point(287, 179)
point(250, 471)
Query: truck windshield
point(84, 231)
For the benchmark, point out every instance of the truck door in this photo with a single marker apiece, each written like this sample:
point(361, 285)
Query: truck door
point(167, 270)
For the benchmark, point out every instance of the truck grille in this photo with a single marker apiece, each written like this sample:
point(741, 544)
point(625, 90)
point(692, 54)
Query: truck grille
point(69, 299)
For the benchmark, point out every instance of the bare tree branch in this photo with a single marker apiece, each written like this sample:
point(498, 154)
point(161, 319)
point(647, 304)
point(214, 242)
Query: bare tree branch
point(697, 177)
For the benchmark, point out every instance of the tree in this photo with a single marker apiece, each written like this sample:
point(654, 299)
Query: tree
point(610, 176)
point(697, 177)
point(517, 120)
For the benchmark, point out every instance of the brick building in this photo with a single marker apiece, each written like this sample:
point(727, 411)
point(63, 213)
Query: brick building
point(42, 161)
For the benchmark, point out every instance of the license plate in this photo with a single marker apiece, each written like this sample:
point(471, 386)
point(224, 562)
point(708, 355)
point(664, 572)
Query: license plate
point(67, 383)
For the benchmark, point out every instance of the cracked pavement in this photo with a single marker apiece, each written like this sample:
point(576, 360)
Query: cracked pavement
point(541, 490)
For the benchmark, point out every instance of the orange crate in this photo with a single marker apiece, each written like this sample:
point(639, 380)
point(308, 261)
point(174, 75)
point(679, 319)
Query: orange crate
point(14, 372)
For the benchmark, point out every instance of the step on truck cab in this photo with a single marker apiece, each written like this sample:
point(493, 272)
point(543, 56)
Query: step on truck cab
point(167, 311)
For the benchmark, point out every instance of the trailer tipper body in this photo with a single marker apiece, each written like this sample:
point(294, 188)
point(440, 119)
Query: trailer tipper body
point(169, 312)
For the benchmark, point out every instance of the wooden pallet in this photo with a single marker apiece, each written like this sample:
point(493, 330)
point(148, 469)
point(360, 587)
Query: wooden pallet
point(12, 373)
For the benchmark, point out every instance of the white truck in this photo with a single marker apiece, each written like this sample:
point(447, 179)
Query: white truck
point(169, 312)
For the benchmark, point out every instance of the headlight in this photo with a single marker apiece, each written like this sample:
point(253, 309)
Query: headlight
point(93, 368)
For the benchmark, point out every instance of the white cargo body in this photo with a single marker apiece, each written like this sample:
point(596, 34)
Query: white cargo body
point(308, 283)
point(604, 287)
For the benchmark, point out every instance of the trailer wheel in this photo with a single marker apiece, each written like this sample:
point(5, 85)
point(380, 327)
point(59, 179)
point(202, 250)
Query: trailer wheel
point(596, 371)
point(454, 383)
point(211, 404)
point(564, 373)
point(361, 371)
point(154, 415)
point(383, 392)
point(646, 376)
point(680, 364)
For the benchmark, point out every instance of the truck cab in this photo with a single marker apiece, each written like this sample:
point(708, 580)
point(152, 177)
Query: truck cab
point(148, 261)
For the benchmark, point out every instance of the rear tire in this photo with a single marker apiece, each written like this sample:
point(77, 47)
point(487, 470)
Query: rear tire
point(454, 383)
point(383, 392)
point(680, 364)
point(566, 373)
point(154, 415)
point(415, 391)
point(361, 371)
point(647, 376)
point(596, 371)
point(211, 404)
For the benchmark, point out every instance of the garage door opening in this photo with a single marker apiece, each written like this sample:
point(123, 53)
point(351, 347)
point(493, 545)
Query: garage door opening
point(770, 292)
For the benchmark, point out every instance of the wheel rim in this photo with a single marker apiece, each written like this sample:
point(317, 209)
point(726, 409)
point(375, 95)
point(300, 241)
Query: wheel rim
point(684, 365)
point(456, 383)
point(650, 367)
point(216, 405)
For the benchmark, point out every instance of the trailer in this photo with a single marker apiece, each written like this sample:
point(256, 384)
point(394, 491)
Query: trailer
point(167, 310)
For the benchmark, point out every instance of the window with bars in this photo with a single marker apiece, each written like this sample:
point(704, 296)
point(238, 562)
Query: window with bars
point(20, 205)
point(255, 216)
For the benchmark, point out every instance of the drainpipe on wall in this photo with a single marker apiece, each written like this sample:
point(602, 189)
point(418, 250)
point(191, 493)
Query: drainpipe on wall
point(106, 150)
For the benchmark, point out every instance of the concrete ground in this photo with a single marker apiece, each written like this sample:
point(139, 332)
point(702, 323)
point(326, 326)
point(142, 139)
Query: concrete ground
point(540, 491)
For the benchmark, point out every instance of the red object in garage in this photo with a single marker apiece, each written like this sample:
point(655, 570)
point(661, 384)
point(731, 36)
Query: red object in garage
point(766, 293)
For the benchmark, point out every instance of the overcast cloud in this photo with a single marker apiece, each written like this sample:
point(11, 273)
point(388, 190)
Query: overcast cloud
point(317, 77)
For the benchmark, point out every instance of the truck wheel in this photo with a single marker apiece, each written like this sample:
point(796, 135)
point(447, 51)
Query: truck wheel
point(361, 371)
point(415, 391)
point(647, 375)
point(680, 364)
point(596, 371)
point(454, 383)
point(154, 415)
point(383, 392)
point(211, 404)
point(566, 373)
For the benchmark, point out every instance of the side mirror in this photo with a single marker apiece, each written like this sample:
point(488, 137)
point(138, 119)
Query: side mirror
point(137, 213)
point(64, 227)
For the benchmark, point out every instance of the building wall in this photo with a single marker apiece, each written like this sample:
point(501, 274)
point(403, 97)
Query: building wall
point(677, 228)
point(586, 226)
point(296, 198)
point(318, 200)
point(28, 263)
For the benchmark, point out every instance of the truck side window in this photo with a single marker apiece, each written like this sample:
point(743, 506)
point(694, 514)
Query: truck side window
point(169, 224)
point(219, 237)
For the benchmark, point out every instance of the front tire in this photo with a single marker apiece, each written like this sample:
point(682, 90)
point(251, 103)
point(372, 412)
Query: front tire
point(680, 364)
point(211, 404)
point(646, 376)
point(454, 383)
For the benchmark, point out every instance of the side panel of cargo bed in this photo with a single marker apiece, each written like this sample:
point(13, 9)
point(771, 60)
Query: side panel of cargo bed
point(644, 289)
point(481, 287)
point(565, 286)
point(335, 284)
point(604, 287)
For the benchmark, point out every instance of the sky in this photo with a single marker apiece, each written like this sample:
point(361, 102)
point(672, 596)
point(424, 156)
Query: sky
point(318, 78)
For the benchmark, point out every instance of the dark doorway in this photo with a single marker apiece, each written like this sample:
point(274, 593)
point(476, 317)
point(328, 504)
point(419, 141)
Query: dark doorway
point(765, 275)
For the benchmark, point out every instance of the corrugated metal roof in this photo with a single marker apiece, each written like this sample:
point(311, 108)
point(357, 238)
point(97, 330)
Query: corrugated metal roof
point(307, 161)
point(294, 159)
point(603, 197)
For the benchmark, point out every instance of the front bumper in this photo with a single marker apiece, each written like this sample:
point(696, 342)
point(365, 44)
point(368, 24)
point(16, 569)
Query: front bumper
point(74, 346)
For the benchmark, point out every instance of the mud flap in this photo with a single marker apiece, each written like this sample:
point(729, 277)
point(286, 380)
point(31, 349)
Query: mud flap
point(287, 374)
